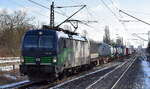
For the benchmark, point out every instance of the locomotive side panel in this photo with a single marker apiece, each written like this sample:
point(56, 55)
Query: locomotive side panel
point(66, 53)
point(73, 53)
point(81, 53)
point(87, 52)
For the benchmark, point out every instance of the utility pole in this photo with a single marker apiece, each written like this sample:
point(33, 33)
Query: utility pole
point(52, 15)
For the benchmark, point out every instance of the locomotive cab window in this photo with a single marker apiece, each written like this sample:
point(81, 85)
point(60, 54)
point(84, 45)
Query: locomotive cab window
point(35, 41)
point(31, 41)
point(46, 41)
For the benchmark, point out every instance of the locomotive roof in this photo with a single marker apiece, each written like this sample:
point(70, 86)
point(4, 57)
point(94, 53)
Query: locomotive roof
point(36, 31)
point(60, 34)
point(75, 37)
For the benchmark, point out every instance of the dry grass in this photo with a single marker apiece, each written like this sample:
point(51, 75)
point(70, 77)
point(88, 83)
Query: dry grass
point(5, 53)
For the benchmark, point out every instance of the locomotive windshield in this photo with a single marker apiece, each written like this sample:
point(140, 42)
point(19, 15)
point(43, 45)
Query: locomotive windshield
point(35, 41)
point(31, 41)
point(46, 41)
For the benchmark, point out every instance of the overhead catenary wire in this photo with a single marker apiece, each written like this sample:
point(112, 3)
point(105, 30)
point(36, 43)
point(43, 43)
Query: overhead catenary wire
point(33, 11)
point(71, 15)
point(110, 10)
point(135, 35)
point(38, 4)
point(58, 7)
point(130, 14)
point(122, 23)
point(48, 0)
point(89, 14)
point(55, 7)
point(46, 7)
point(113, 4)
point(137, 12)
point(114, 15)
point(74, 1)
point(69, 6)
point(134, 17)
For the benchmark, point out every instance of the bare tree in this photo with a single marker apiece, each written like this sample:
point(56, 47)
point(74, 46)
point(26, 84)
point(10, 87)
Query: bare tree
point(12, 28)
point(119, 41)
point(106, 37)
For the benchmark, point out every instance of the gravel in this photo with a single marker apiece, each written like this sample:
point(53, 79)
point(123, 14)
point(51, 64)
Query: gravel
point(84, 82)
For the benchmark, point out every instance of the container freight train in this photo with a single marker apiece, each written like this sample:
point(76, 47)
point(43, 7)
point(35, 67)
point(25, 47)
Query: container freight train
point(107, 53)
point(49, 53)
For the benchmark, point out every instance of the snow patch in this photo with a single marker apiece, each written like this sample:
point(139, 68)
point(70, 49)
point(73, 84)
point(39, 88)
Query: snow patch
point(146, 69)
point(8, 68)
point(10, 76)
point(13, 84)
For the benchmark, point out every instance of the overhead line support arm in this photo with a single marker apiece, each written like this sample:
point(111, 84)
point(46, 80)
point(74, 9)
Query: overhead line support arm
point(134, 17)
point(71, 15)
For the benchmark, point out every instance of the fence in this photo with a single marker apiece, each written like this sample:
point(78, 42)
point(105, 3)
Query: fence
point(9, 63)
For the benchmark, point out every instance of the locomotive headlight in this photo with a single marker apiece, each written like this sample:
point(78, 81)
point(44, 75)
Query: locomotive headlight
point(54, 60)
point(40, 33)
point(21, 59)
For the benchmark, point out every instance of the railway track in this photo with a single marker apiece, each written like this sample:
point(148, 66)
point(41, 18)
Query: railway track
point(36, 85)
point(12, 85)
point(115, 85)
point(94, 77)
point(88, 81)
point(112, 79)
point(58, 83)
point(80, 82)
point(27, 85)
point(51, 85)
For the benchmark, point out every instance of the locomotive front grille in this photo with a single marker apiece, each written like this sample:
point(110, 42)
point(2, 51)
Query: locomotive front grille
point(40, 60)
point(46, 59)
point(29, 60)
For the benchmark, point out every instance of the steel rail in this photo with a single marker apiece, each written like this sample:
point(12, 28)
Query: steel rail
point(106, 75)
point(115, 84)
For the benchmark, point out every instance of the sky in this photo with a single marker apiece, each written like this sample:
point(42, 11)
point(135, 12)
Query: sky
point(106, 12)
